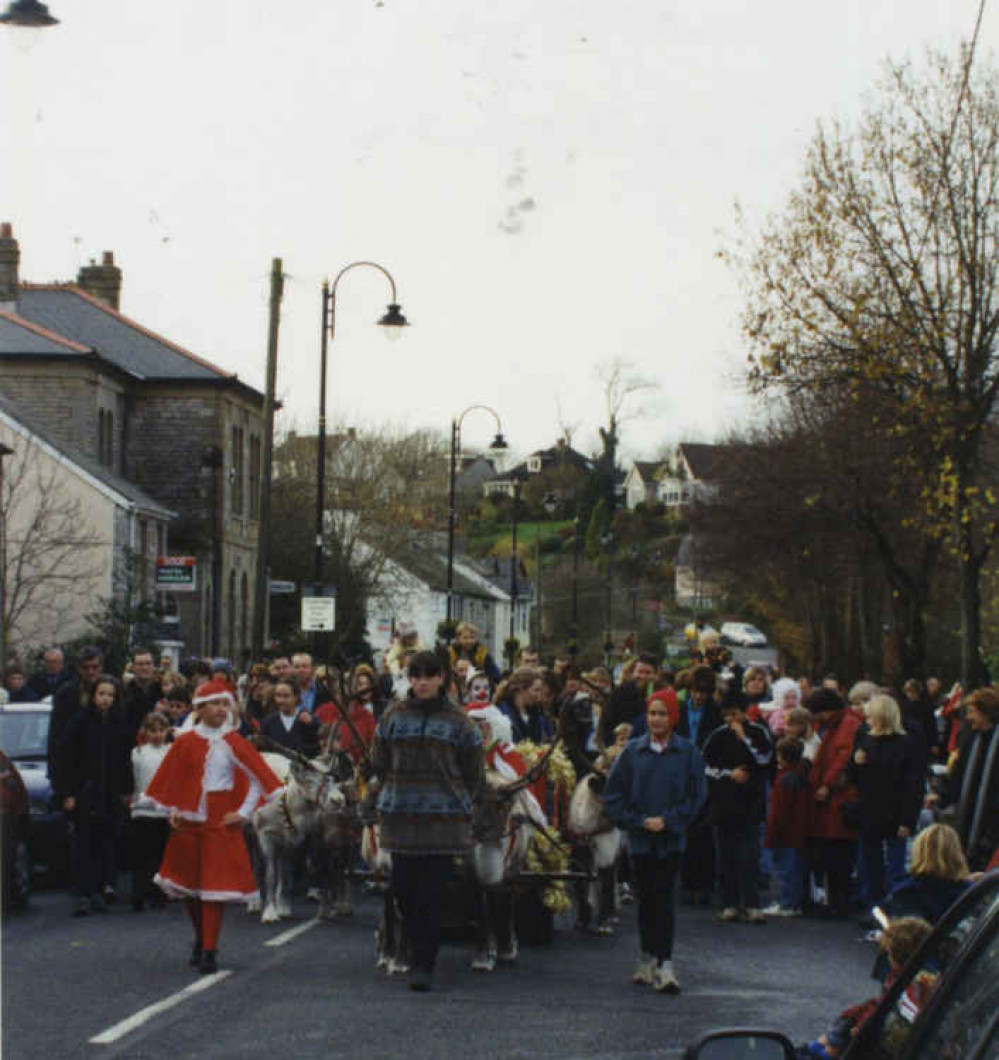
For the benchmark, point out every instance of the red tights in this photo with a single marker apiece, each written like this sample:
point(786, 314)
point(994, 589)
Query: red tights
point(207, 920)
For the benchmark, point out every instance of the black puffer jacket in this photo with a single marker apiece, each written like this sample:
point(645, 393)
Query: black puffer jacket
point(889, 781)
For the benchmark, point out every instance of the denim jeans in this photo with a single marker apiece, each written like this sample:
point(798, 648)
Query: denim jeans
point(789, 868)
point(881, 866)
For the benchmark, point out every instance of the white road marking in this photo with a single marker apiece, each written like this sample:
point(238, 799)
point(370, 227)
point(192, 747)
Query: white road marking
point(126, 1026)
point(292, 933)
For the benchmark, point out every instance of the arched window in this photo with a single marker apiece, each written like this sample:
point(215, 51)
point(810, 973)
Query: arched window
point(244, 615)
point(231, 602)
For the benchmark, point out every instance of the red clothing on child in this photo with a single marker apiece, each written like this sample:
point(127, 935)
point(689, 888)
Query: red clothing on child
point(207, 774)
point(788, 816)
point(361, 718)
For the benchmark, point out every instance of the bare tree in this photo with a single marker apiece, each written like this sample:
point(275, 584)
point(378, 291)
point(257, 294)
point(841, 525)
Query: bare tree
point(622, 388)
point(49, 547)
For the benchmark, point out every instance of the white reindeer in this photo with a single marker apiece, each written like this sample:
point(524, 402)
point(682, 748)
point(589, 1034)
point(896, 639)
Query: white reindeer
point(589, 822)
point(283, 825)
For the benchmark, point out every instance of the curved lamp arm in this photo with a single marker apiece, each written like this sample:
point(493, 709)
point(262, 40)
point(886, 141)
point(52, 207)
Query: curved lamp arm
point(329, 290)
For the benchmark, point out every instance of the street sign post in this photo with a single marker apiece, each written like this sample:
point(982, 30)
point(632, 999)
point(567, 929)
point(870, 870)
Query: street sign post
point(318, 609)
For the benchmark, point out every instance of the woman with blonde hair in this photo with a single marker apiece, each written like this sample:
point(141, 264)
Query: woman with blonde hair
point(886, 771)
point(938, 876)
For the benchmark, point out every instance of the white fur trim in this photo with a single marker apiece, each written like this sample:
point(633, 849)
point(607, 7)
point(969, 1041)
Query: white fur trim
point(175, 890)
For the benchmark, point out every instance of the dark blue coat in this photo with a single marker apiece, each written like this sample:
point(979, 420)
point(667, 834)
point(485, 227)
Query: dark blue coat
point(646, 783)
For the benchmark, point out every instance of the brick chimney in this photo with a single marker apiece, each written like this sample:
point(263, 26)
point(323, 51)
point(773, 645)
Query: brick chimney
point(10, 256)
point(102, 281)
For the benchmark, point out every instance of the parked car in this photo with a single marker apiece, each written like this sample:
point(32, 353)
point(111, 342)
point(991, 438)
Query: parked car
point(24, 734)
point(944, 1005)
point(15, 828)
point(742, 634)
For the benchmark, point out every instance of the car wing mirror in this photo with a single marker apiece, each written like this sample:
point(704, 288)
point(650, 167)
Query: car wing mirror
point(739, 1043)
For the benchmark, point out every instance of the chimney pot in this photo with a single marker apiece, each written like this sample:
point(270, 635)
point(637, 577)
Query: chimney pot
point(108, 257)
point(6, 230)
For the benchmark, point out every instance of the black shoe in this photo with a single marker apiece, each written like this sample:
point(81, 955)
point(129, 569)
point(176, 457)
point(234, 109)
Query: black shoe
point(420, 980)
point(157, 900)
point(110, 894)
point(209, 962)
point(98, 905)
point(82, 907)
point(196, 955)
point(138, 905)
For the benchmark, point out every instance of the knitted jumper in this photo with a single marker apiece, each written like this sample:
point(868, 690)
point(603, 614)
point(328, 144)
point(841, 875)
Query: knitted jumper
point(428, 756)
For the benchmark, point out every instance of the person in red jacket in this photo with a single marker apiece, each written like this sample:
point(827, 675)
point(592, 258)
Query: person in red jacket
point(210, 782)
point(832, 843)
point(787, 826)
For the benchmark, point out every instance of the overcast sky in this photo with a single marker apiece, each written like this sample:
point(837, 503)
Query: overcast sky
point(549, 182)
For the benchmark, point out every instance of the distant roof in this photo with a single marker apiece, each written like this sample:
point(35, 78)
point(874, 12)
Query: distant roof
point(67, 312)
point(704, 460)
point(431, 567)
point(649, 469)
point(127, 490)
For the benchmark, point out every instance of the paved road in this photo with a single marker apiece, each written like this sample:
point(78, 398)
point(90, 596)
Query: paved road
point(67, 981)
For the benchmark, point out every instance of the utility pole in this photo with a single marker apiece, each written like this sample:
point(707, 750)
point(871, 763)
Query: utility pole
point(261, 602)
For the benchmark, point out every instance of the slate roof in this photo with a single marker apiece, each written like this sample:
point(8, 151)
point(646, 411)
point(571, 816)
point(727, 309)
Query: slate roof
point(67, 311)
point(18, 335)
point(649, 469)
point(128, 490)
point(704, 460)
point(431, 567)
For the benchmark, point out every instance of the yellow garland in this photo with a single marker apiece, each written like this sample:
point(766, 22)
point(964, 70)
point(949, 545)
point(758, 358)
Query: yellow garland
point(547, 852)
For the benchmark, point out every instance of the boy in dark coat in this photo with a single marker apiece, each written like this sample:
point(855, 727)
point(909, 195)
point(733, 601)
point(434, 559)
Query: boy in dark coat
point(787, 826)
point(738, 755)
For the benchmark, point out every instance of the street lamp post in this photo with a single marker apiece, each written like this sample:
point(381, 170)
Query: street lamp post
point(498, 443)
point(635, 556)
point(574, 623)
point(607, 541)
point(5, 451)
point(513, 576)
point(392, 320)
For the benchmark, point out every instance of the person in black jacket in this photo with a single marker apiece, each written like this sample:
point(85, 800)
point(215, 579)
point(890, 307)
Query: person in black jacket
point(53, 674)
point(628, 701)
point(143, 692)
point(885, 769)
point(699, 717)
point(290, 725)
point(95, 784)
point(917, 708)
point(738, 756)
point(70, 698)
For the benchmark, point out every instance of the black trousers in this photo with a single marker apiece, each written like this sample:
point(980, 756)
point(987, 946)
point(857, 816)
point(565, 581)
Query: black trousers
point(657, 890)
point(149, 838)
point(834, 858)
point(95, 841)
point(739, 850)
point(418, 881)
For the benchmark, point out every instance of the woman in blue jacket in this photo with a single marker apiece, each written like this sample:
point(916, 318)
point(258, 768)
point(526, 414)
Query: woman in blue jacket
point(654, 792)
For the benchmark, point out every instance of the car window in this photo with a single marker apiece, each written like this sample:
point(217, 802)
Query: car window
point(970, 1010)
point(24, 734)
point(890, 1029)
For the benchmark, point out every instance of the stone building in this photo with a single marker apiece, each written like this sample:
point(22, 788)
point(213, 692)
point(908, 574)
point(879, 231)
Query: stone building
point(155, 414)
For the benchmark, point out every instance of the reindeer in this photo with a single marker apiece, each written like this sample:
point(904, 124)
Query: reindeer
point(283, 825)
point(506, 817)
point(588, 822)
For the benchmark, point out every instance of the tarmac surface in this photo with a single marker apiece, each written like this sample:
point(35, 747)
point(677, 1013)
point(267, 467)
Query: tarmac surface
point(118, 985)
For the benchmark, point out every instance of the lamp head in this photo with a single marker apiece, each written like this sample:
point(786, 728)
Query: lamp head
point(499, 442)
point(393, 321)
point(27, 13)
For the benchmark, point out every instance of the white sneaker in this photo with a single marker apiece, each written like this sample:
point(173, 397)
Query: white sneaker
point(780, 910)
point(645, 970)
point(664, 980)
point(755, 916)
point(729, 915)
point(313, 894)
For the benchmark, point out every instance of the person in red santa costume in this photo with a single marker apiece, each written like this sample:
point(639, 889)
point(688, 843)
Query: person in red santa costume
point(501, 756)
point(210, 782)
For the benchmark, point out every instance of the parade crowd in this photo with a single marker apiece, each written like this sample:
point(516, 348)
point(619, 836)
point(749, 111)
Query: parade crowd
point(760, 793)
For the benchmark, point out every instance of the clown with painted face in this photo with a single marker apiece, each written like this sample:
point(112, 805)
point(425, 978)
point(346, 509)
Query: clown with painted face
point(478, 690)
